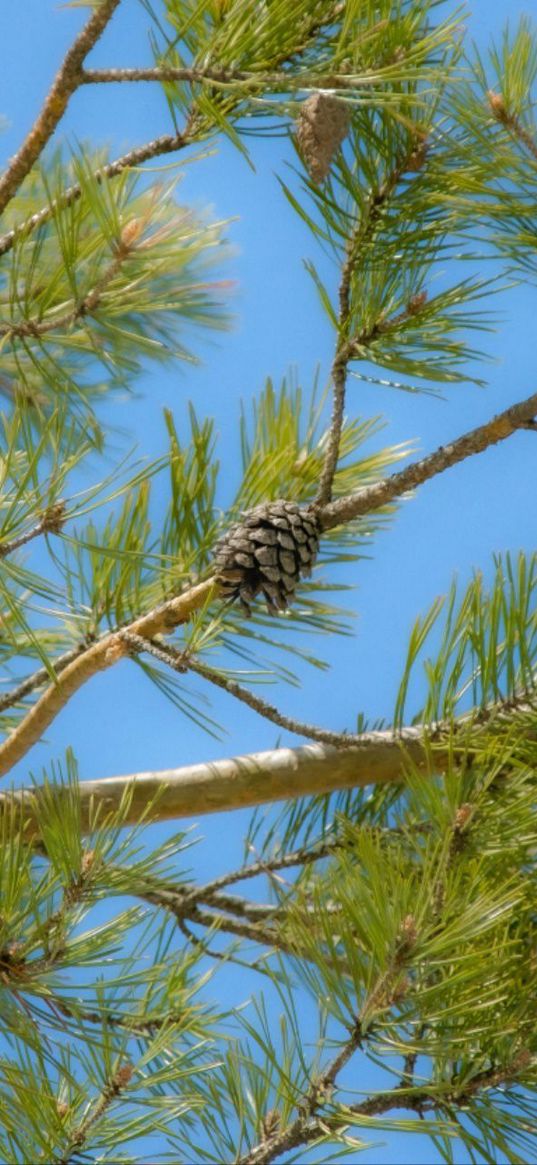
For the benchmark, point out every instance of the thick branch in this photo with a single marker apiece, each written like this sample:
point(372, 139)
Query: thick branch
point(244, 781)
point(279, 774)
point(66, 82)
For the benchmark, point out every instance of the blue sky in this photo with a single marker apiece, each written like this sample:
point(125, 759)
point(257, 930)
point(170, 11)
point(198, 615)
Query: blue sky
point(455, 523)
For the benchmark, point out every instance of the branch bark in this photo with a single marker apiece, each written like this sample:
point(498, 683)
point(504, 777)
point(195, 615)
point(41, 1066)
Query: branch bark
point(243, 781)
point(66, 82)
point(286, 82)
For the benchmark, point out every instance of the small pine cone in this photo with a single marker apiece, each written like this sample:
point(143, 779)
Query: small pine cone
point(269, 551)
point(322, 125)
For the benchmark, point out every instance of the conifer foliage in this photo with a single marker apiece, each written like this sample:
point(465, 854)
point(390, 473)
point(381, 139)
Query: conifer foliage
point(380, 927)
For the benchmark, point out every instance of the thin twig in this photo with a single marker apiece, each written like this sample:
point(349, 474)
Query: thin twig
point(201, 944)
point(455, 1095)
point(298, 1131)
point(308, 1125)
point(133, 1025)
point(304, 856)
point(84, 307)
point(418, 1100)
point(39, 677)
point(214, 920)
point(299, 857)
point(65, 83)
point(185, 902)
point(50, 522)
point(360, 237)
point(182, 662)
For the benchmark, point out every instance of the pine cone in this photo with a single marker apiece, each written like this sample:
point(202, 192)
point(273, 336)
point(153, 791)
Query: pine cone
point(322, 124)
point(268, 551)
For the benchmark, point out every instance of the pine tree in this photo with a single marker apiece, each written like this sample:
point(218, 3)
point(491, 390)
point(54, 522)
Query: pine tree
point(381, 922)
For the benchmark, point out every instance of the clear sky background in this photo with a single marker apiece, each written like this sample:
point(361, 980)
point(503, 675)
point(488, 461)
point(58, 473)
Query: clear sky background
point(119, 723)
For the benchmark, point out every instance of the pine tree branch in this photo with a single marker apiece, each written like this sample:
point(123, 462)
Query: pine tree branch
point(185, 899)
point(307, 1128)
point(98, 657)
point(347, 347)
point(244, 781)
point(214, 77)
point(424, 1100)
point(39, 677)
point(114, 646)
point(302, 857)
point(133, 1025)
point(279, 774)
point(177, 904)
point(299, 857)
point(19, 967)
point(78, 1138)
point(364, 501)
point(66, 82)
point(230, 78)
point(158, 147)
point(310, 1119)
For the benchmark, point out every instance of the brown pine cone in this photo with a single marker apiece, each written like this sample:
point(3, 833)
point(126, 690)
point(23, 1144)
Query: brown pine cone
point(322, 124)
point(273, 546)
